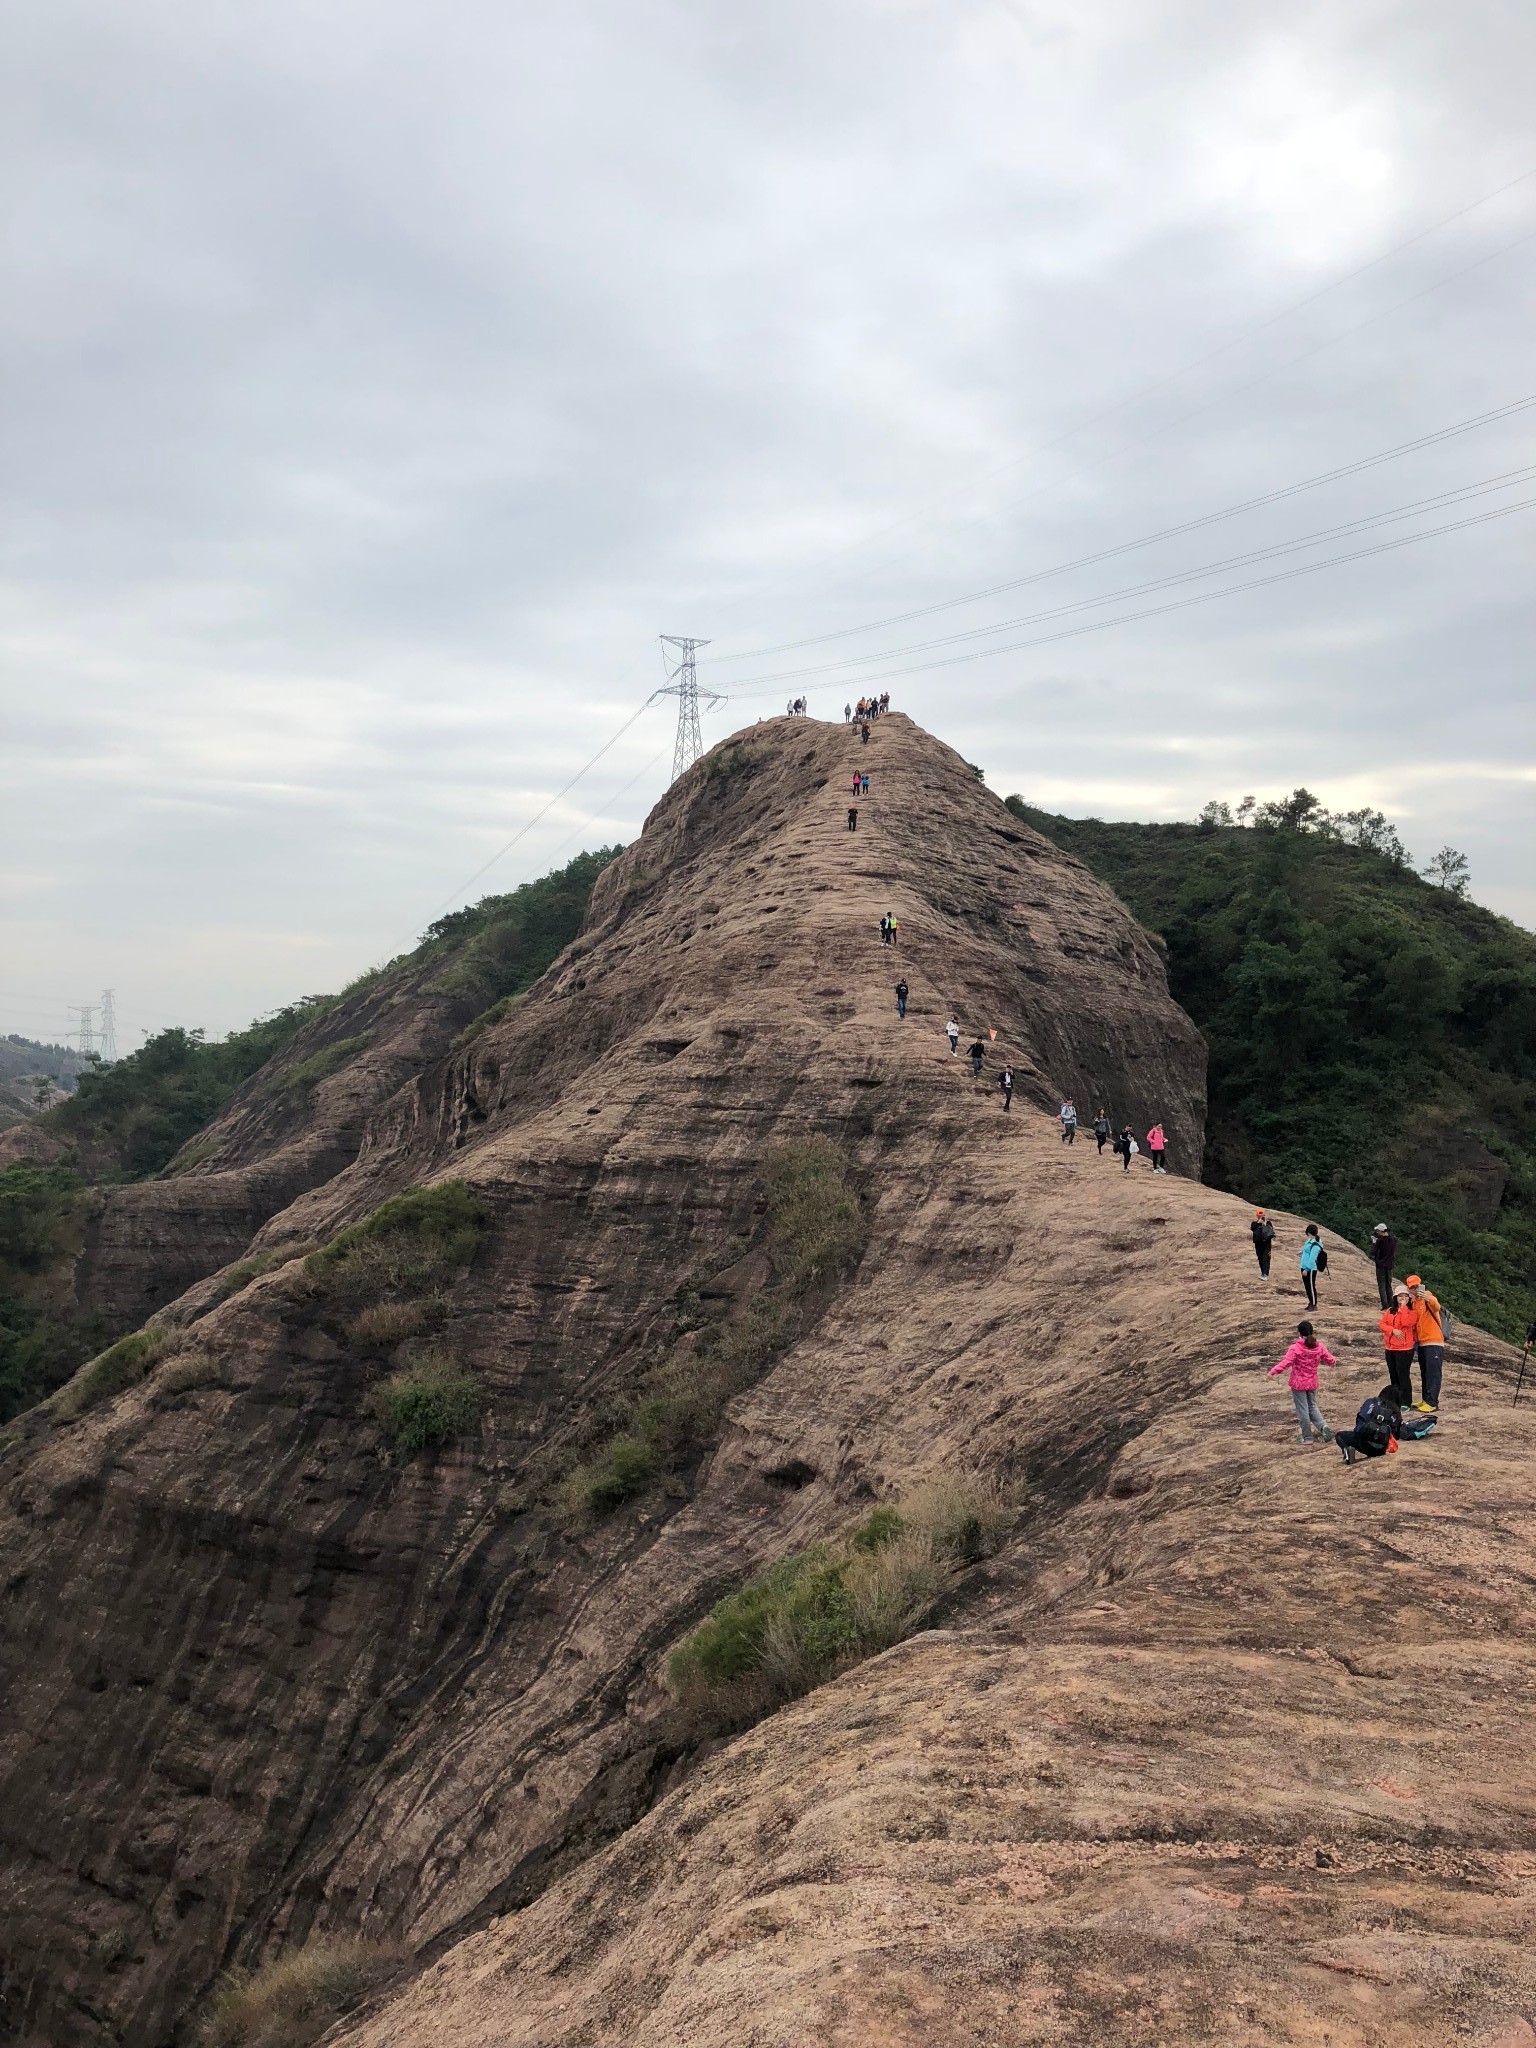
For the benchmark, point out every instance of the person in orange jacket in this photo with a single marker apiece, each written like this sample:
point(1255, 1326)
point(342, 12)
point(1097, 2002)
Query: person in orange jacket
point(1431, 1341)
point(1400, 1333)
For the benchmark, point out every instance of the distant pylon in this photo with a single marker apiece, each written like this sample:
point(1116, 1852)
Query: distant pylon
point(108, 1025)
point(85, 1030)
point(683, 684)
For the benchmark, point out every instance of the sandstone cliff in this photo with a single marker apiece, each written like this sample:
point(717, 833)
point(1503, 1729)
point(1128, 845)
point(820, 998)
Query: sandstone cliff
point(262, 1679)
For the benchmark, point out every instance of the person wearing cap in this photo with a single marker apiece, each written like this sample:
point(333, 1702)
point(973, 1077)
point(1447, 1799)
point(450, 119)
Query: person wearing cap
point(1431, 1342)
point(1400, 1333)
point(1383, 1252)
point(1263, 1233)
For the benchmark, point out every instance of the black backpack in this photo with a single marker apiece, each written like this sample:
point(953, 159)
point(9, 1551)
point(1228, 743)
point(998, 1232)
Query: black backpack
point(1373, 1427)
point(1322, 1260)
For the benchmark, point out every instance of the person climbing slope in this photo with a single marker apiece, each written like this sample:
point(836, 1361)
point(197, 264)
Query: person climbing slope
point(1314, 1260)
point(1101, 1131)
point(1005, 1082)
point(1125, 1145)
point(1263, 1233)
point(853, 817)
point(1383, 1253)
point(1399, 1335)
point(1155, 1145)
point(1067, 1117)
point(902, 992)
point(885, 929)
point(952, 1033)
point(1301, 1361)
point(978, 1054)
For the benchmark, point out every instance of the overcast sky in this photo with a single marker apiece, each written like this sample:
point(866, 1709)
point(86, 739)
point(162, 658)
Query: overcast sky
point(380, 380)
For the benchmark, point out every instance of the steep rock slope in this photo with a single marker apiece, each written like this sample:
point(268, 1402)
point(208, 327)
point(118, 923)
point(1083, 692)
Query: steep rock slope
point(260, 1678)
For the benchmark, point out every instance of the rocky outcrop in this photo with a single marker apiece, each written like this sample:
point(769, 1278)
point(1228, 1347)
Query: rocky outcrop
point(261, 1679)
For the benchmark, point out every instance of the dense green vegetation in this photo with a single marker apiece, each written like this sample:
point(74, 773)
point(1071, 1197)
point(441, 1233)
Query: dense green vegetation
point(128, 1121)
point(1360, 1021)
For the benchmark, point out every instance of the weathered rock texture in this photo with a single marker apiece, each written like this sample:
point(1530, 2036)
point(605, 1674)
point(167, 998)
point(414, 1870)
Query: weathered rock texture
point(1209, 1725)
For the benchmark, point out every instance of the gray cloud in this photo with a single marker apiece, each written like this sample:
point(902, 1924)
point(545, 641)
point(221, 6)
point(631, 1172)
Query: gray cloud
point(381, 380)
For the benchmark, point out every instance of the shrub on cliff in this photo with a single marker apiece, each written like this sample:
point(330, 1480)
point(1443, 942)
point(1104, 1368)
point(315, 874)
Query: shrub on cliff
point(120, 1366)
point(427, 1405)
point(410, 1243)
point(812, 1615)
point(290, 2003)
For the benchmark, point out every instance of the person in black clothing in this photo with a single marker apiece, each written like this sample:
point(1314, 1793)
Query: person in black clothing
point(1383, 1255)
point(864, 734)
point(1005, 1082)
point(885, 929)
point(1263, 1234)
point(853, 817)
point(1101, 1130)
point(902, 993)
point(978, 1054)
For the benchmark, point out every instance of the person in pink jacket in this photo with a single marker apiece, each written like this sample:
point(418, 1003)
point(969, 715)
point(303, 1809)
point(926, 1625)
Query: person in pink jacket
point(1156, 1146)
point(1302, 1362)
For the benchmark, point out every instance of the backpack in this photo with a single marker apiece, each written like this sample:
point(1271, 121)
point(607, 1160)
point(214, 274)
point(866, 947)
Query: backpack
point(1322, 1260)
point(1373, 1427)
point(1447, 1325)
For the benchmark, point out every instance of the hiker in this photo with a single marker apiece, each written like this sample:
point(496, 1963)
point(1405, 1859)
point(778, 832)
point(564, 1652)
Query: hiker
point(863, 785)
point(1005, 1082)
point(978, 1054)
point(864, 734)
point(853, 817)
point(1066, 1116)
point(1125, 1145)
point(1431, 1342)
point(1399, 1335)
point(1408, 1426)
point(901, 997)
point(1314, 1260)
point(952, 1033)
point(853, 787)
point(1301, 1362)
point(1372, 1435)
point(1101, 1131)
point(847, 714)
point(885, 700)
point(895, 924)
point(1263, 1233)
point(1156, 1147)
point(885, 929)
point(1383, 1252)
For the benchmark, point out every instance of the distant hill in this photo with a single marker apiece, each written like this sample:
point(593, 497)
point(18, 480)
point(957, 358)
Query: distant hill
point(24, 1062)
point(1372, 1038)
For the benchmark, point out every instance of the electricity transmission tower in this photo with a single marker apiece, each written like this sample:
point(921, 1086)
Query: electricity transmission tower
point(683, 684)
point(108, 1025)
point(86, 1029)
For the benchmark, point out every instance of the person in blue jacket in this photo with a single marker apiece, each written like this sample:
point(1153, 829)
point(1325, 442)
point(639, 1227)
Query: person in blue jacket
point(1313, 1262)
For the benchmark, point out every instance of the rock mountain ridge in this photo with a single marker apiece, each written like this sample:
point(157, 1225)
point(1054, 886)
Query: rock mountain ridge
point(261, 1681)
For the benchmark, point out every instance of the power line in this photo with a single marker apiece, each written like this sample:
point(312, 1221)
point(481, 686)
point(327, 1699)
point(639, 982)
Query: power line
point(1274, 497)
point(1461, 495)
point(1183, 604)
point(1147, 390)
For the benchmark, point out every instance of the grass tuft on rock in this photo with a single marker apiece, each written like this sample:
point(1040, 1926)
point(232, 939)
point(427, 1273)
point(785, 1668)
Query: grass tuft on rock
point(290, 2003)
point(427, 1405)
point(409, 1243)
point(812, 1615)
point(120, 1366)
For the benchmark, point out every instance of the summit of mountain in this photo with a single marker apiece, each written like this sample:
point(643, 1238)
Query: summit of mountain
point(339, 1600)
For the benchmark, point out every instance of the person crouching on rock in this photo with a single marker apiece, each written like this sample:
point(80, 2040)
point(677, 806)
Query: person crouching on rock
point(1372, 1435)
point(1301, 1362)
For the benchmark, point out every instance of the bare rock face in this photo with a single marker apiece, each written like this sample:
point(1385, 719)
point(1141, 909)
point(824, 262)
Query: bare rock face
point(261, 1680)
